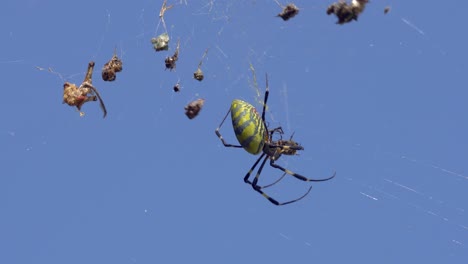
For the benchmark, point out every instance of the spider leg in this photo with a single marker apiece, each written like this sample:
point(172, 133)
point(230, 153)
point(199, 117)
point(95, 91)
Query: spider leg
point(275, 182)
point(246, 178)
point(259, 189)
point(278, 130)
point(298, 176)
point(221, 137)
point(267, 92)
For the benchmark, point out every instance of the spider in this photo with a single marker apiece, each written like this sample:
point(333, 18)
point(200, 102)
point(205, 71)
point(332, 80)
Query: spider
point(74, 96)
point(255, 137)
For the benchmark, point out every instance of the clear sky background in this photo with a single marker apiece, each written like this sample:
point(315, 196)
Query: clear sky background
point(381, 101)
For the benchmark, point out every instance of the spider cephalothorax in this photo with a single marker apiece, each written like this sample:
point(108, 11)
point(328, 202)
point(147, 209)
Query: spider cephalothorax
point(281, 147)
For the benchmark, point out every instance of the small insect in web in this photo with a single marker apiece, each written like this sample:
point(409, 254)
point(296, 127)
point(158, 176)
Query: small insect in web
point(111, 68)
point(177, 87)
point(194, 108)
point(289, 11)
point(255, 137)
point(347, 12)
point(387, 9)
point(171, 61)
point(198, 74)
point(86, 92)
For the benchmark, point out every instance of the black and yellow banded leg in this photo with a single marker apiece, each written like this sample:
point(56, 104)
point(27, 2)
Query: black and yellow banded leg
point(246, 178)
point(298, 176)
point(259, 189)
point(221, 137)
point(267, 92)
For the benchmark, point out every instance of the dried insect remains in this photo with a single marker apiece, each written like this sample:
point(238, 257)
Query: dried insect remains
point(163, 10)
point(74, 96)
point(161, 42)
point(289, 11)
point(387, 9)
point(193, 108)
point(347, 12)
point(111, 68)
point(198, 74)
point(171, 61)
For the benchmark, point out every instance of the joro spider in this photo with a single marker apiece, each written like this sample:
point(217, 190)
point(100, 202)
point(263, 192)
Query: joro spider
point(255, 137)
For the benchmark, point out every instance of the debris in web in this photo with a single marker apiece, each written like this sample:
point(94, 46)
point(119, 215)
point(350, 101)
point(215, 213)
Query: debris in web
point(193, 108)
point(86, 92)
point(347, 12)
point(163, 10)
point(198, 74)
point(254, 85)
point(369, 196)
point(289, 11)
point(111, 68)
point(387, 9)
point(171, 61)
point(413, 26)
point(161, 42)
point(51, 71)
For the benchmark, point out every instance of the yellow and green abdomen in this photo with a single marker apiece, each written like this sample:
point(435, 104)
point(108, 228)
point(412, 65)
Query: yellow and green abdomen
point(248, 126)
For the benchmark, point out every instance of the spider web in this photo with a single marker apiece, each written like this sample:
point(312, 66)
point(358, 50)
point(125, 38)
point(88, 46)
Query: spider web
point(148, 146)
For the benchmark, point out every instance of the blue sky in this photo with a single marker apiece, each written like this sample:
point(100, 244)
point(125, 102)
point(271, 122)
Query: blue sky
point(381, 101)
